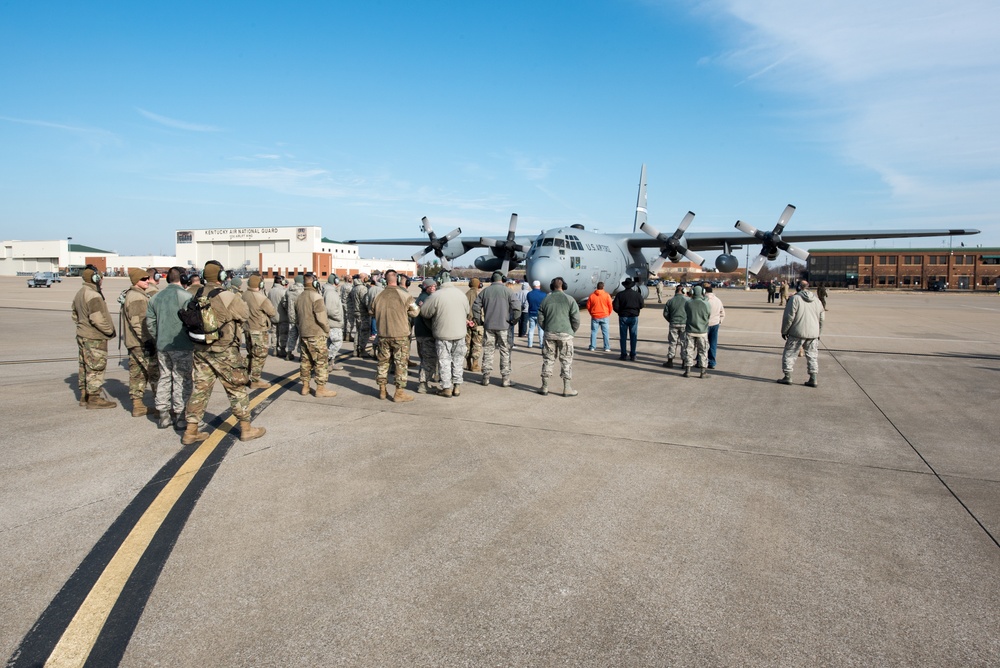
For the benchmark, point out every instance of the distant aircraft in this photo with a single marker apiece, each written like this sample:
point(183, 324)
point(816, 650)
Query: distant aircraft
point(584, 258)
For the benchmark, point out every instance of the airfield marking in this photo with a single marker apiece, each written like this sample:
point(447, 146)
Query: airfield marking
point(81, 634)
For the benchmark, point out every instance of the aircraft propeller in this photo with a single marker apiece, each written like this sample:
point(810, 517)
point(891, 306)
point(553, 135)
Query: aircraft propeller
point(437, 244)
point(771, 241)
point(505, 248)
point(673, 245)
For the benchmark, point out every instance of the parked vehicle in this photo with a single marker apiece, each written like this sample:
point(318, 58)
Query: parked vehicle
point(43, 279)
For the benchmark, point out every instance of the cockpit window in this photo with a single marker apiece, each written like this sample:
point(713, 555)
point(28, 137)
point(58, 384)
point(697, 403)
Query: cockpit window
point(547, 241)
point(560, 243)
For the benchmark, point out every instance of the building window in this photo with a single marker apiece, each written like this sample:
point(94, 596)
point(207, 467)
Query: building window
point(881, 280)
point(988, 281)
point(892, 280)
point(864, 259)
point(912, 259)
point(938, 259)
point(887, 259)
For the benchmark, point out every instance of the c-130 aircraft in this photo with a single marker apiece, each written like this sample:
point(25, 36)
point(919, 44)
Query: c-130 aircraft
point(583, 258)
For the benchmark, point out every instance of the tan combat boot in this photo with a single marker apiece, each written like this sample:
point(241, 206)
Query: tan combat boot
point(305, 388)
point(249, 432)
point(138, 409)
point(381, 391)
point(446, 392)
point(97, 401)
point(192, 435)
point(457, 390)
point(322, 391)
point(260, 385)
point(83, 398)
point(401, 395)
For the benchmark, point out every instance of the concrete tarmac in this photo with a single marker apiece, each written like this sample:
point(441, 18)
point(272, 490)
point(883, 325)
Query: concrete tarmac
point(651, 521)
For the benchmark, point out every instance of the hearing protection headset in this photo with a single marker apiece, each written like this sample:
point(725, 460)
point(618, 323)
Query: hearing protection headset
point(96, 278)
point(222, 271)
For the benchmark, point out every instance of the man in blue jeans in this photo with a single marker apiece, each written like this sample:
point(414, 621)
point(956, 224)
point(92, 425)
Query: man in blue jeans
point(627, 305)
point(535, 298)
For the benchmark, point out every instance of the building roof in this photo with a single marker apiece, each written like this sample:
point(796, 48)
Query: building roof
point(962, 250)
point(79, 248)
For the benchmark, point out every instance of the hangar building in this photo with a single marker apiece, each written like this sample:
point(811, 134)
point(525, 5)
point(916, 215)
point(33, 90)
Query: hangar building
point(914, 268)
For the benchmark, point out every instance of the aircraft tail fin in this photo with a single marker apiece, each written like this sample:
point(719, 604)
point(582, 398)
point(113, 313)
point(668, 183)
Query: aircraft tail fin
point(640, 203)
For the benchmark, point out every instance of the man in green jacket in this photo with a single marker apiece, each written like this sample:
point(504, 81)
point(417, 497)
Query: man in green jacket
point(173, 350)
point(698, 313)
point(559, 318)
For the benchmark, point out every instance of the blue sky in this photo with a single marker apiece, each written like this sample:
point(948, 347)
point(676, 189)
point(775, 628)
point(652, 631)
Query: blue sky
point(123, 122)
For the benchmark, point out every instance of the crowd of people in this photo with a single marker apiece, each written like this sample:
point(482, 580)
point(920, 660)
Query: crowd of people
point(456, 329)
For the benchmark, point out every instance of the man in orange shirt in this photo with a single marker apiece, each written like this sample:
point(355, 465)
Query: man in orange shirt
point(599, 307)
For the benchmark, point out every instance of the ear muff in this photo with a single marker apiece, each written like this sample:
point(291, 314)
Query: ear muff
point(96, 278)
point(157, 276)
point(222, 271)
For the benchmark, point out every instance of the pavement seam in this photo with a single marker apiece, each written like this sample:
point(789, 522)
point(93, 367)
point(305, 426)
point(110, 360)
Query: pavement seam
point(930, 468)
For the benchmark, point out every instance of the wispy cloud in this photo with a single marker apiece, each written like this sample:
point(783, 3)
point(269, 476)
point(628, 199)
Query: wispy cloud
point(533, 169)
point(179, 125)
point(95, 135)
point(907, 88)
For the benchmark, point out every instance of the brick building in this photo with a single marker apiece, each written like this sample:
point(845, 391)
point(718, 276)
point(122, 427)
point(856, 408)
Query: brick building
point(908, 269)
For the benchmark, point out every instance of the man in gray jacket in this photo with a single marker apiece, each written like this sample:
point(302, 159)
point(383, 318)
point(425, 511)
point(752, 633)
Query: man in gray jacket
point(559, 318)
point(801, 327)
point(449, 314)
point(279, 323)
point(295, 291)
point(335, 316)
point(497, 307)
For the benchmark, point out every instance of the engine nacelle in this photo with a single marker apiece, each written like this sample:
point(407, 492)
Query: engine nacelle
point(488, 263)
point(727, 263)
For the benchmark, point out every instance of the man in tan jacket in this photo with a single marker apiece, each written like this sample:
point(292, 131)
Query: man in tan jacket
point(93, 330)
point(143, 368)
point(260, 310)
point(220, 359)
point(393, 308)
point(310, 315)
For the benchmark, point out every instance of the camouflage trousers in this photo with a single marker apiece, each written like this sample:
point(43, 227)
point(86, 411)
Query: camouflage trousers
point(174, 387)
point(314, 362)
point(450, 356)
point(474, 344)
point(427, 352)
point(292, 344)
point(676, 341)
point(334, 342)
point(792, 345)
point(557, 346)
point(256, 353)
point(92, 354)
point(363, 332)
point(696, 350)
point(279, 338)
point(143, 369)
point(397, 351)
point(496, 339)
point(230, 368)
point(350, 324)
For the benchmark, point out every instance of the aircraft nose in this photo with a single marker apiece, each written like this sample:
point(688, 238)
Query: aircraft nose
point(543, 270)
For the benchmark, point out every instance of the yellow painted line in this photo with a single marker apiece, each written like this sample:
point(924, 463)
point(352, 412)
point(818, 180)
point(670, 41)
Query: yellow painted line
point(78, 640)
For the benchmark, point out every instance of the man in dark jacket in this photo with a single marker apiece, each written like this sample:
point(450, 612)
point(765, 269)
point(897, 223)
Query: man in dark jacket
point(627, 305)
point(497, 308)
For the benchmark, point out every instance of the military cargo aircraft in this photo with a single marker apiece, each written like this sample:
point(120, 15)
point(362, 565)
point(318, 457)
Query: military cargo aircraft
point(583, 258)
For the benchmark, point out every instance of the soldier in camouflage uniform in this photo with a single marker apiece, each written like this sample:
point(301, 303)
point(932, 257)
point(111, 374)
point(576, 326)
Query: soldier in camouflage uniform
point(426, 345)
point(220, 359)
point(279, 329)
point(393, 308)
point(143, 368)
point(362, 318)
point(345, 292)
point(261, 311)
point(291, 296)
point(474, 338)
point(335, 318)
point(310, 314)
point(93, 330)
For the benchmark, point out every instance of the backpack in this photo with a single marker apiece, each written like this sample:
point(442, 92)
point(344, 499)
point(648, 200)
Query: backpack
point(199, 318)
point(121, 297)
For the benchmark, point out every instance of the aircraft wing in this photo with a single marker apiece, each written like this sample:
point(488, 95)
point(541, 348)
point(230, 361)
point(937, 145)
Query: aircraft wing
point(709, 241)
point(468, 243)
